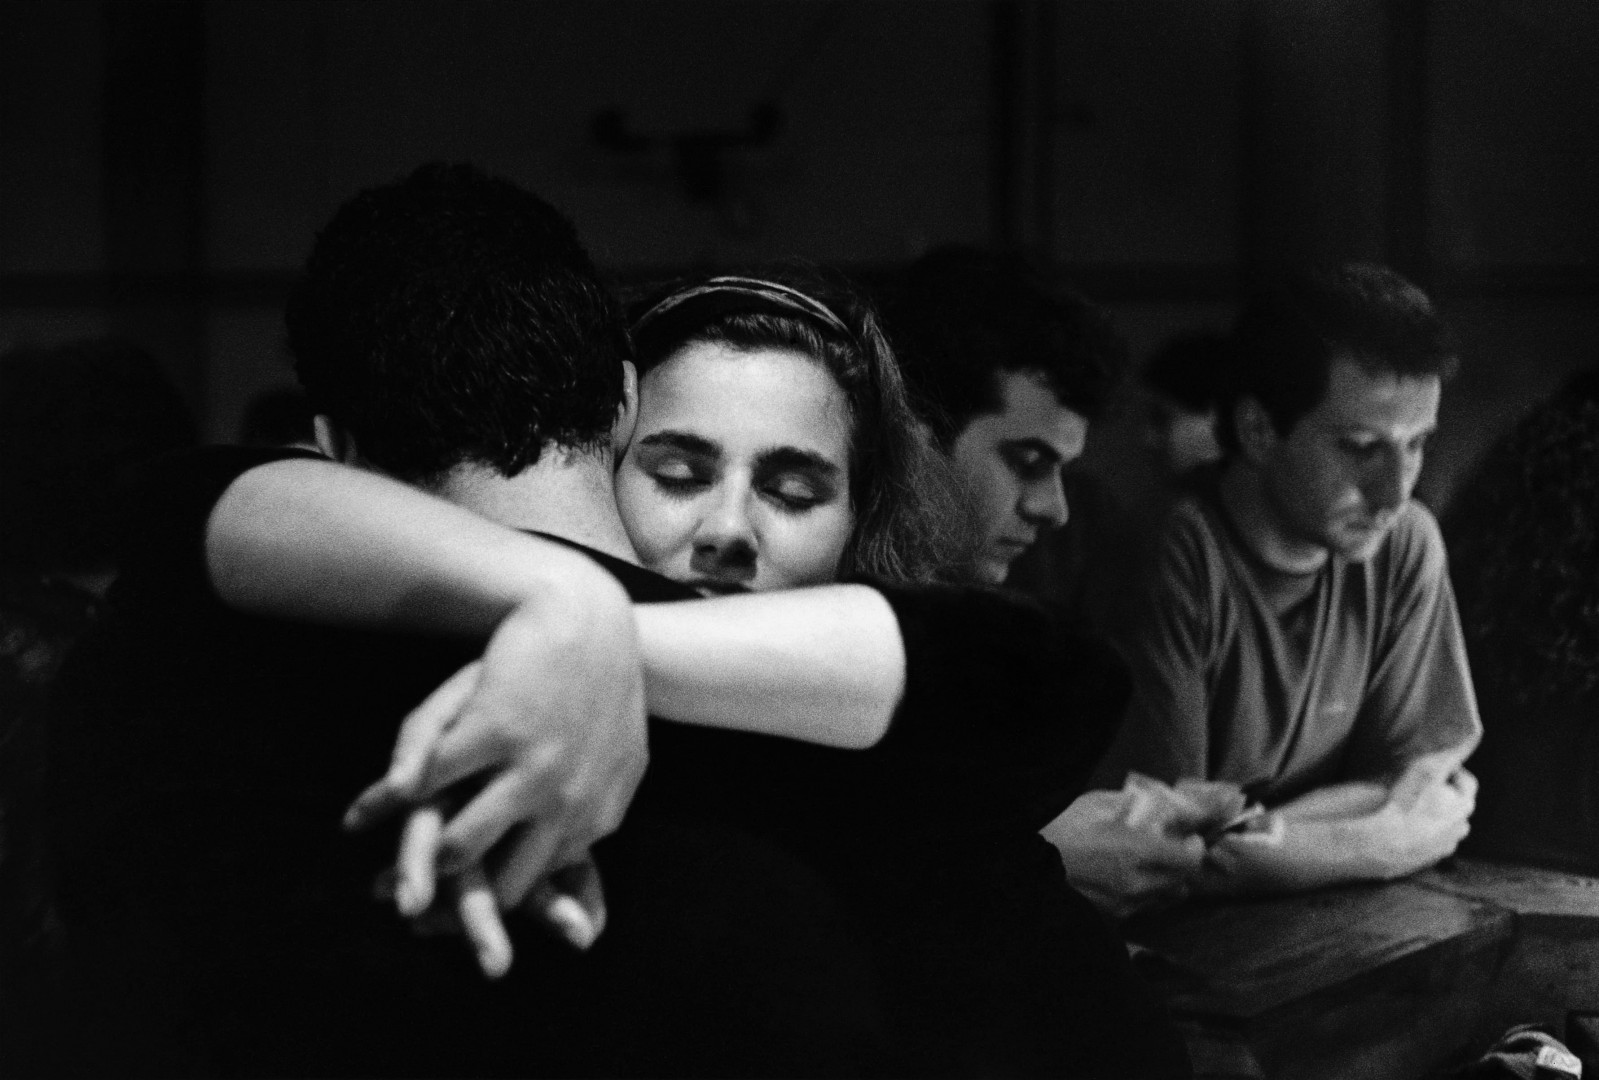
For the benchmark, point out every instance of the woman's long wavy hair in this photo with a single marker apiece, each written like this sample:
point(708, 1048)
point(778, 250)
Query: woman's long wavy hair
point(909, 527)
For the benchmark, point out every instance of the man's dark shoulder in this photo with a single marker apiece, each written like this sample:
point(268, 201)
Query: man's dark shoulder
point(643, 586)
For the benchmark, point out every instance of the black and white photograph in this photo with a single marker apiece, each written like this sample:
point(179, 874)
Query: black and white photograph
point(799, 538)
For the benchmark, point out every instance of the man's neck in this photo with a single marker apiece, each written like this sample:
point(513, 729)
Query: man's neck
point(1249, 508)
point(566, 494)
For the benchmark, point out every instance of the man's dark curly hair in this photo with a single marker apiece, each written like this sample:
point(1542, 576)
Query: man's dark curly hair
point(452, 317)
point(1292, 329)
point(960, 317)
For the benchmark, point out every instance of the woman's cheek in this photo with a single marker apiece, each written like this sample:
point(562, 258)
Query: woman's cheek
point(653, 525)
point(814, 547)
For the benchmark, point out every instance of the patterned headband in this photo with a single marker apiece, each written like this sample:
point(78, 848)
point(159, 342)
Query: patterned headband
point(728, 294)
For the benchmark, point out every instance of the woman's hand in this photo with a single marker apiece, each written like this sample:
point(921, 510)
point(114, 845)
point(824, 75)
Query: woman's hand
point(550, 721)
point(569, 900)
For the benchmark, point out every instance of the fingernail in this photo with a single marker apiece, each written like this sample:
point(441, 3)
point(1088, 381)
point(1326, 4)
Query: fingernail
point(572, 921)
point(402, 774)
point(493, 962)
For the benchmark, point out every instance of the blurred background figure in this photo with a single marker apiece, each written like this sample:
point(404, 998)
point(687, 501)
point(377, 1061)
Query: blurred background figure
point(278, 418)
point(71, 417)
point(1524, 552)
point(1179, 424)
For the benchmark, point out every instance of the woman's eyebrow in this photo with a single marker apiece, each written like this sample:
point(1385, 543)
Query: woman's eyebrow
point(683, 441)
point(795, 459)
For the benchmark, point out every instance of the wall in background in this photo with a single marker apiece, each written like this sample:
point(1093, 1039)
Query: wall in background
point(1155, 151)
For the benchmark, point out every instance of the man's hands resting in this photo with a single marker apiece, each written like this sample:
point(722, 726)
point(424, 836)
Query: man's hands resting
point(1350, 832)
point(1141, 847)
point(550, 727)
point(1149, 845)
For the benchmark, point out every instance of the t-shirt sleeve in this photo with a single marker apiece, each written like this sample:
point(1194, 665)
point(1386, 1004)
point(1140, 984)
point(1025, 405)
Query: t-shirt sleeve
point(1166, 642)
point(167, 503)
point(1419, 699)
point(1004, 711)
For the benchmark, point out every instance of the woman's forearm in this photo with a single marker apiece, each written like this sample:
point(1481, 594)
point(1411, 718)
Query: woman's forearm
point(824, 665)
point(322, 542)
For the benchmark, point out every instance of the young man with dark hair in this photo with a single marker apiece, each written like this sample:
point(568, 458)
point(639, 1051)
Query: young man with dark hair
point(726, 952)
point(379, 340)
point(1299, 638)
point(1011, 369)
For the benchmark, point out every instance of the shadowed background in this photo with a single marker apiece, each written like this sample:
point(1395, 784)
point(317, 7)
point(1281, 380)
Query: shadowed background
point(164, 166)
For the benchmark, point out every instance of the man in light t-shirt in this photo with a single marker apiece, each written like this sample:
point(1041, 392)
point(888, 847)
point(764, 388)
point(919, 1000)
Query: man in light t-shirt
point(1298, 636)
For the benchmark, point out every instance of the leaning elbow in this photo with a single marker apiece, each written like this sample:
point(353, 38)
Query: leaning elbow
point(866, 731)
point(872, 709)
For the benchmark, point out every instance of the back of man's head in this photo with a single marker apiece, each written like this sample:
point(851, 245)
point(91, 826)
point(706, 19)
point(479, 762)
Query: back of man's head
point(1293, 329)
point(961, 318)
point(452, 318)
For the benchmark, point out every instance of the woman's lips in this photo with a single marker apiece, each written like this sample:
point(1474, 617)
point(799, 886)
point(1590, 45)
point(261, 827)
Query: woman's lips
point(712, 587)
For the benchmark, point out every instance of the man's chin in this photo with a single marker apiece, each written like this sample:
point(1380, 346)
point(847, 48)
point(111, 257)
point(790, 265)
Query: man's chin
point(1359, 545)
point(995, 568)
point(991, 570)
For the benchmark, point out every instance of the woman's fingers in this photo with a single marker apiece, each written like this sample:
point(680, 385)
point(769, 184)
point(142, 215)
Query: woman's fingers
point(581, 881)
point(405, 784)
point(492, 813)
point(525, 864)
point(571, 902)
point(417, 870)
point(480, 921)
point(426, 723)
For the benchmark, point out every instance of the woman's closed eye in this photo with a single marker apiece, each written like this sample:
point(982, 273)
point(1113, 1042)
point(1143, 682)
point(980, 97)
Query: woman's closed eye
point(795, 492)
point(677, 474)
point(796, 480)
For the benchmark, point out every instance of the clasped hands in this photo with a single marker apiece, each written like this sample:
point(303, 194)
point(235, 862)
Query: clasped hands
point(511, 769)
point(1144, 846)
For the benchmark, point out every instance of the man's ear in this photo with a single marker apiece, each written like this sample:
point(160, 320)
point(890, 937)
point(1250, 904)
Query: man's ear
point(333, 441)
point(626, 412)
point(1257, 435)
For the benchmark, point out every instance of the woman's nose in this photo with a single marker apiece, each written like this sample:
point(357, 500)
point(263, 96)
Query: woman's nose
point(725, 541)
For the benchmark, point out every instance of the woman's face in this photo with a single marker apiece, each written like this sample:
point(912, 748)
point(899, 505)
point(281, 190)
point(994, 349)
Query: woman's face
point(738, 473)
